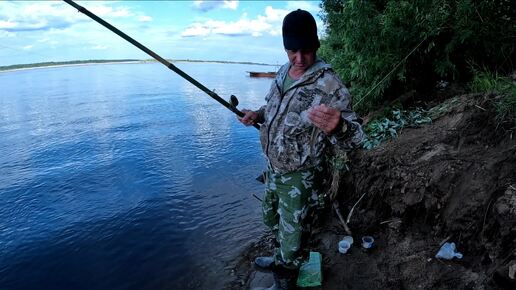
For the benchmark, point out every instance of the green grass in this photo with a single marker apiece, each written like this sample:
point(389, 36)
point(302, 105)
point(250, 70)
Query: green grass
point(486, 81)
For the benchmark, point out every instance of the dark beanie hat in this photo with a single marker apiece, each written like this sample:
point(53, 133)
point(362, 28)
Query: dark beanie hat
point(300, 31)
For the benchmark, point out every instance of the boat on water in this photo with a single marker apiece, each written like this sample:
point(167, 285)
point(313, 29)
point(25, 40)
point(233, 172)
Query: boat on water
point(258, 74)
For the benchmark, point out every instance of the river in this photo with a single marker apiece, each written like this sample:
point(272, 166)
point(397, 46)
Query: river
point(125, 176)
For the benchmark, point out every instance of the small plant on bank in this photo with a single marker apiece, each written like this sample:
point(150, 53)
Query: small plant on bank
point(386, 128)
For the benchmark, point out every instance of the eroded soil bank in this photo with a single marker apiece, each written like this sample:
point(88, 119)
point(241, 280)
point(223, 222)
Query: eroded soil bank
point(453, 180)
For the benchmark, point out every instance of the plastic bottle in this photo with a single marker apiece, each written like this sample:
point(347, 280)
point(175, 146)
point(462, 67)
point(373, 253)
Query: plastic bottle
point(448, 252)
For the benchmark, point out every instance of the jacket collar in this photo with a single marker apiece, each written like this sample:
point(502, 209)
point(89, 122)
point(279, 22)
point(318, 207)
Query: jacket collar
point(311, 74)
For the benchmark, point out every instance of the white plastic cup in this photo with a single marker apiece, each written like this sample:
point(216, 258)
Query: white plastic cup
point(349, 239)
point(367, 242)
point(344, 246)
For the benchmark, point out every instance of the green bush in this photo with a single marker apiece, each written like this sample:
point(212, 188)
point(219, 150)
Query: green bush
point(383, 48)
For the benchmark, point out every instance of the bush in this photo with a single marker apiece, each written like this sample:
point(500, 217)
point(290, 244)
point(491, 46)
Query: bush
point(383, 48)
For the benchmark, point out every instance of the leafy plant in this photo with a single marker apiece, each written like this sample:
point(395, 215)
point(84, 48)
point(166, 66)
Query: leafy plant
point(385, 128)
point(379, 131)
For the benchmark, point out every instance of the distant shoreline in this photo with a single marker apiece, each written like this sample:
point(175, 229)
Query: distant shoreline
point(18, 67)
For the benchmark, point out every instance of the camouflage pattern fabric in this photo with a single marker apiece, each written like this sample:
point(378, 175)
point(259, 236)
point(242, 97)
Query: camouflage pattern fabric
point(289, 140)
point(288, 209)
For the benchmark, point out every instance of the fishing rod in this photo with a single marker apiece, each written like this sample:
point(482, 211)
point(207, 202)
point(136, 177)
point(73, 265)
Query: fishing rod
point(233, 100)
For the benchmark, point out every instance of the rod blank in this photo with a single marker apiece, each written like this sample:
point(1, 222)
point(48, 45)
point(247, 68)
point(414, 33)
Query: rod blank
point(158, 58)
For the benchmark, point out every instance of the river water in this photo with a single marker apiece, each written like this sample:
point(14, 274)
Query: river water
point(125, 176)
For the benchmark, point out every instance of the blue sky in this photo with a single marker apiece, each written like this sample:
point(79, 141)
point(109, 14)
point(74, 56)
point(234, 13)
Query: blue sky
point(38, 31)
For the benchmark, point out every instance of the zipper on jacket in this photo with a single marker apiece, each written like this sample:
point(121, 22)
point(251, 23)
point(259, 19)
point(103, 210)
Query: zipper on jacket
point(272, 120)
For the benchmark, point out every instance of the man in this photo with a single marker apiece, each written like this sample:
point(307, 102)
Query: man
point(307, 116)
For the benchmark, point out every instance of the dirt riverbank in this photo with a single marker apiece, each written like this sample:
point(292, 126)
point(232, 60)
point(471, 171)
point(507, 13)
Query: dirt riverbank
point(453, 180)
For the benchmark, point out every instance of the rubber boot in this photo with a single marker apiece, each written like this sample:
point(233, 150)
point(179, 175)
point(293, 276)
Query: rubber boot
point(264, 264)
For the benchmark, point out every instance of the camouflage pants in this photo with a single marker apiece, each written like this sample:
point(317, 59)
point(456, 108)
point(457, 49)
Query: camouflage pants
point(288, 208)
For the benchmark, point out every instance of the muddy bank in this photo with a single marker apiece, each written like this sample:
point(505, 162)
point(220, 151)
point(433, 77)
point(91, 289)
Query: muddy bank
point(453, 180)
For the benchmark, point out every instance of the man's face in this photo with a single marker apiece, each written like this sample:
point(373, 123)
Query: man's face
point(301, 59)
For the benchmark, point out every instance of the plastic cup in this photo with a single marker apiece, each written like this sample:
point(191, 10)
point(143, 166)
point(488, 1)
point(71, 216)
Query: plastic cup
point(367, 242)
point(349, 239)
point(344, 246)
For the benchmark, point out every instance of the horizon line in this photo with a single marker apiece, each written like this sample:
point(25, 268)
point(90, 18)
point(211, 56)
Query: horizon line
point(107, 61)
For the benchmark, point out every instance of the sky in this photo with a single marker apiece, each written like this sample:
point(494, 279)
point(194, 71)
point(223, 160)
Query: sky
point(230, 30)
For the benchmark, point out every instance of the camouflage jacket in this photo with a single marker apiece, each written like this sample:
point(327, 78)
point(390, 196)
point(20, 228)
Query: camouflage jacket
point(289, 140)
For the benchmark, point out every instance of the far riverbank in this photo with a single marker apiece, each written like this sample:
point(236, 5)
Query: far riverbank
point(28, 66)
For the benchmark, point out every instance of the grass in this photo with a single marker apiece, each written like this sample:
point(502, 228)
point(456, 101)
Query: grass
point(486, 81)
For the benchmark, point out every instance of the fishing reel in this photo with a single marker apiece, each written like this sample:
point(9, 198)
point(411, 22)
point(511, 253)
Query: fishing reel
point(233, 101)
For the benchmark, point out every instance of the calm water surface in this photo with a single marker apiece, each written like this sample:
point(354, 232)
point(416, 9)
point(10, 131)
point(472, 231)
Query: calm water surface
point(125, 176)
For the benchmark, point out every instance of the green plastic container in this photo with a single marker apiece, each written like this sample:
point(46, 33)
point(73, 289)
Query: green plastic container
point(310, 274)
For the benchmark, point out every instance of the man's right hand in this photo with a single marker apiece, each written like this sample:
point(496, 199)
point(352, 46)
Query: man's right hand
point(249, 118)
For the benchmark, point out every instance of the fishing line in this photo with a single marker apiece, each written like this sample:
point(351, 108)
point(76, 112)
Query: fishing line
point(395, 67)
point(234, 101)
point(108, 66)
point(127, 73)
point(19, 52)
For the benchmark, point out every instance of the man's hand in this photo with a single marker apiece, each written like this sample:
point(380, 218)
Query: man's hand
point(249, 118)
point(325, 118)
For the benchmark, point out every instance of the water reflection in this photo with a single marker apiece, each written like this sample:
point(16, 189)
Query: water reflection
point(111, 181)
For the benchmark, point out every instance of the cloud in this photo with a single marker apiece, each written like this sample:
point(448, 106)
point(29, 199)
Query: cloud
point(4, 33)
point(205, 6)
point(103, 10)
point(196, 29)
point(100, 47)
point(270, 23)
point(310, 6)
point(232, 4)
point(46, 15)
point(27, 47)
point(47, 41)
point(7, 24)
point(144, 18)
point(34, 16)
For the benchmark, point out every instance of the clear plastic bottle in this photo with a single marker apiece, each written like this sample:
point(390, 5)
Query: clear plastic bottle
point(448, 251)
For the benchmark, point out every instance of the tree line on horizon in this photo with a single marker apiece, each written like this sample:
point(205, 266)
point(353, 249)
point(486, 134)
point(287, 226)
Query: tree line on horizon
point(93, 61)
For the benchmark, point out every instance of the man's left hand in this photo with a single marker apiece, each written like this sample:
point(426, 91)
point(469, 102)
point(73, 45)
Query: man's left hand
point(325, 118)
